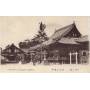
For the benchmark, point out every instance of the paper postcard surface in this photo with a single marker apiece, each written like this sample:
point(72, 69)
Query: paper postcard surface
point(53, 44)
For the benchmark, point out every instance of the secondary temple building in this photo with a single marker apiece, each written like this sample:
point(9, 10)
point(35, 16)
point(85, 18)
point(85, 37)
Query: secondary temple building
point(12, 54)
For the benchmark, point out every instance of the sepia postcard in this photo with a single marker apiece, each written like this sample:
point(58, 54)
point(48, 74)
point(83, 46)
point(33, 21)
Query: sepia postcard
point(45, 44)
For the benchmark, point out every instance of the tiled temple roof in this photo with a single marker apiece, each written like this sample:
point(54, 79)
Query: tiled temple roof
point(58, 36)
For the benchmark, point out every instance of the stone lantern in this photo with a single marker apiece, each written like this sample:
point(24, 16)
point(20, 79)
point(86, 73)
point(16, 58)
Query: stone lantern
point(57, 54)
point(44, 55)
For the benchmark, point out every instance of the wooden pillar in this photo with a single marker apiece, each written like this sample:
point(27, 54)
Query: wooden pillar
point(31, 56)
point(76, 57)
point(70, 55)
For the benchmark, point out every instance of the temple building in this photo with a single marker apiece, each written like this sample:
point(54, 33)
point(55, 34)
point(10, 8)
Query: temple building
point(66, 46)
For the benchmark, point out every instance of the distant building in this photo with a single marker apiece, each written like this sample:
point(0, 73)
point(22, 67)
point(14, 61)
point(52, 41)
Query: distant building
point(12, 54)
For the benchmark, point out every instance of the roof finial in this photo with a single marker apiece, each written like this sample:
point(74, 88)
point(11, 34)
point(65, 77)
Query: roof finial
point(42, 26)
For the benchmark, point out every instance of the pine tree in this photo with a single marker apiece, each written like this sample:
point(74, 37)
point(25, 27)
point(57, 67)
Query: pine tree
point(41, 36)
point(38, 39)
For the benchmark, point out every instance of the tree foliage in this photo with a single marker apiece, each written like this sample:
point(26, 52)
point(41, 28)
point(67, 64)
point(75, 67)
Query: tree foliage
point(38, 39)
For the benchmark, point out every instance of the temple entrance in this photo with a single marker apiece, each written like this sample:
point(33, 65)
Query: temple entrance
point(73, 58)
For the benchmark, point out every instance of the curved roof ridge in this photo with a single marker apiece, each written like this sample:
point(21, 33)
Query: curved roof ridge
point(64, 27)
point(62, 31)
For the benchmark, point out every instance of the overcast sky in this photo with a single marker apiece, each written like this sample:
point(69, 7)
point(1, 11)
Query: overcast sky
point(16, 29)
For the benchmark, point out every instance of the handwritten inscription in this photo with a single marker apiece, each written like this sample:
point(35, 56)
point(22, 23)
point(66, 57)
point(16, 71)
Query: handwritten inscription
point(63, 69)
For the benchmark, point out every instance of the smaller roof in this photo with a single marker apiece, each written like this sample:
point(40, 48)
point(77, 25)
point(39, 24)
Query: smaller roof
point(48, 42)
point(83, 39)
point(12, 46)
point(35, 47)
point(68, 41)
point(25, 50)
